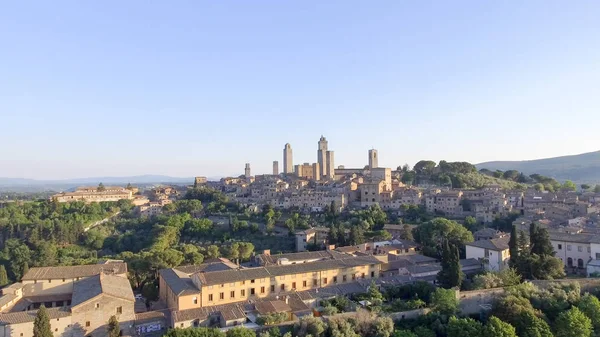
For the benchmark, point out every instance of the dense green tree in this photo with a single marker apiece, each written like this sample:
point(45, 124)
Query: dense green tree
point(357, 236)
point(586, 187)
point(341, 327)
point(444, 180)
point(404, 333)
point(529, 325)
point(374, 295)
point(381, 327)
point(422, 331)
point(3, 276)
point(536, 260)
point(113, 327)
point(573, 323)
point(424, 167)
point(497, 328)
point(198, 227)
point(41, 324)
point(444, 301)
point(539, 187)
point(511, 175)
point(195, 332)
point(451, 275)
point(597, 188)
point(569, 186)
point(590, 306)
point(272, 318)
point(309, 326)
point(539, 240)
point(406, 233)
point(101, 188)
point(471, 223)
point(212, 252)
point(463, 327)
point(507, 308)
point(150, 291)
point(431, 234)
point(240, 332)
point(505, 278)
point(513, 247)
point(408, 178)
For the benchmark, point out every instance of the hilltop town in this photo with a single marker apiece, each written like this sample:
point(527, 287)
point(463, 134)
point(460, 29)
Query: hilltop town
point(279, 249)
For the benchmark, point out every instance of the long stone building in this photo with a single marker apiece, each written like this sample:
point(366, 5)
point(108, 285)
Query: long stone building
point(80, 300)
point(92, 194)
point(220, 290)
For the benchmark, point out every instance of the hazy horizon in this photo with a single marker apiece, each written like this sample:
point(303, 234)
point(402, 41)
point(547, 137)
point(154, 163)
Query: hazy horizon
point(234, 174)
point(198, 88)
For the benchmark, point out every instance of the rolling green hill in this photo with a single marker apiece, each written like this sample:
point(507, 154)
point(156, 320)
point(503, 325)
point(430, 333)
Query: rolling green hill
point(581, 168)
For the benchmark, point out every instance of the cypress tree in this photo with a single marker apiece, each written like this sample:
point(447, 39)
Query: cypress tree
point(450, 276)
point(25, 269)
point(539, 241)
point(113, 327)
point(513, 247)
point(3, 276)
point(41, 324)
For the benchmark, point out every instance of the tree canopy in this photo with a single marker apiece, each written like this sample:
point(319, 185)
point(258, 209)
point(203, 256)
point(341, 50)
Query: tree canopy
point(431, 234)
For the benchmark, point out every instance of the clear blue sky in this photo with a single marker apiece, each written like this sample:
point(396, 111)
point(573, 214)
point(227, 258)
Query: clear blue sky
point(184, 88)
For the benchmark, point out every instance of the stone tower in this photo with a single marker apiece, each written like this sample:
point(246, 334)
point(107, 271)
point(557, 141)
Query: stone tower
point(247, 171)
point(275, 167)
point(288, 162)
point(322, 155)
point(373, 159)
point(329, 172)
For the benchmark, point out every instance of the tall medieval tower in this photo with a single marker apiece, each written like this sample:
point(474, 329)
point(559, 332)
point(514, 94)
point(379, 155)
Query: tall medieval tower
point(288, 162)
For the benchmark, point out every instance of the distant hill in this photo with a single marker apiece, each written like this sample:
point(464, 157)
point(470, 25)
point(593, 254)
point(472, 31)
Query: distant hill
point(33, 185)
point(581, 168)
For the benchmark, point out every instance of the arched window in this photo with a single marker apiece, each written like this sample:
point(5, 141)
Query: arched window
point(570, 262)
point(579, 263)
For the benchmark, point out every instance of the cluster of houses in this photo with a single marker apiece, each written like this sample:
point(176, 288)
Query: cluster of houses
point(381, 186)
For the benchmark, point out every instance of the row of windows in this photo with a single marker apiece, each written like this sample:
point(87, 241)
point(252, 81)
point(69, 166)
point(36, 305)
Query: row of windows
point(579, 248)
point(50, 281)
point(281, 278)
point(315, 283)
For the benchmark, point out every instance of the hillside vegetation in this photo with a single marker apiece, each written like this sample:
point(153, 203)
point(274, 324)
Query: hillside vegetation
point(581, 168)
point(457, 175)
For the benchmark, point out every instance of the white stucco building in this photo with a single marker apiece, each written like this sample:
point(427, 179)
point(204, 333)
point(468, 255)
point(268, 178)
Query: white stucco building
point(494, 253)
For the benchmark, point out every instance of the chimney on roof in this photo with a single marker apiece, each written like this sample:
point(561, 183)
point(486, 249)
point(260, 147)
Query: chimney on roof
point(287, 300)
point(267, 252)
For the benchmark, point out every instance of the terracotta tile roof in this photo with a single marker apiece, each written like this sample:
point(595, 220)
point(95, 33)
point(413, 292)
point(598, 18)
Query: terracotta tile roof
point(576, 237)
point(70, 272)
point(15, 286)
point(149, 316)
point(493, 244)
point(232, 313)
point(222, 277)
point(190, 315)
point(267, 307)
point(179, 282)
point(321, 254)
point(228, 311)
point(88, 288)
point(5, 299)
point(29, 316)
point(213, 265)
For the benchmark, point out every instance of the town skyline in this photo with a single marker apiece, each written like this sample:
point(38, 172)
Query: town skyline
point(258, 167)
point(267, 167)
